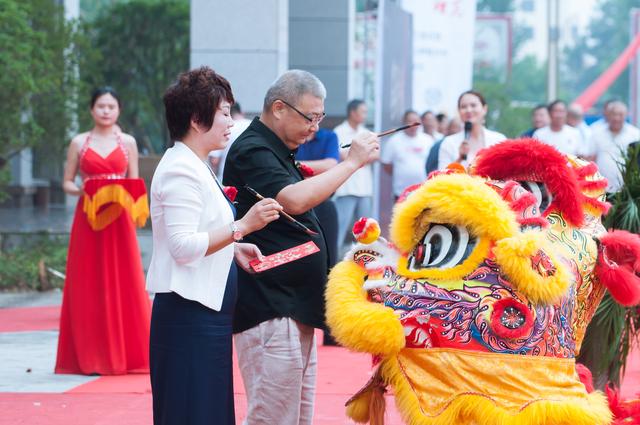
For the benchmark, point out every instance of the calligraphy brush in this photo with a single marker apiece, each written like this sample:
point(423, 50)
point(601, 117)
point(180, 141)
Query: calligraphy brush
point(388, 132)
point(284, 214)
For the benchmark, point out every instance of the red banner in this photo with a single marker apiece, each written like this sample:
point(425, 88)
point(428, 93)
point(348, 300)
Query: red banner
point(106, 199)
point(604, 81)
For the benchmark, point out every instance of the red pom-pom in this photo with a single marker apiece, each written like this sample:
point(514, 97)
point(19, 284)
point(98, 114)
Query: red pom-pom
point(585, 376)
point(618, 265)
point(625, 412)
point(231, 192)
point(511, 319)
point(358, 226)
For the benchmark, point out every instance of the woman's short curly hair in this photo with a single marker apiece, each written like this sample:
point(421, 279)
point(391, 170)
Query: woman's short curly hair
point(195, 95)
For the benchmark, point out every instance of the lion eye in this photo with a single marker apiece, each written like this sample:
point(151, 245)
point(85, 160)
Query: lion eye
point(443, 246)
point(540, 191)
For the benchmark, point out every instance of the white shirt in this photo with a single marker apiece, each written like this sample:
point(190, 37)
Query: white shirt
point(585, 148)
point(436, 136)
point(408, 155)
point(610, 149)
point(450, 147)
point(567, 140)
point(239, 126)
point(600, 123)
point(185, 204)
point(361, 182)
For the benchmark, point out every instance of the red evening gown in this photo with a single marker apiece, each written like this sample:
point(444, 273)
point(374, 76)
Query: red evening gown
point(105, 319)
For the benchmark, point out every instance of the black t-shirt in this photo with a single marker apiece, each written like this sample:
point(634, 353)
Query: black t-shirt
point(259, 159)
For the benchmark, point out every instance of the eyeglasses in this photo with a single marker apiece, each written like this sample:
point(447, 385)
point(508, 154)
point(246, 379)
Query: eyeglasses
point(313, 120)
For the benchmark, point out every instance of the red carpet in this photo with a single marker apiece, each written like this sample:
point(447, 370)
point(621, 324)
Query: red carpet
point(131, 384)
point(127, 409)
point(631, 383)
point(126, 400)
point(75, 409)
point(29, 319)
point(340, 374)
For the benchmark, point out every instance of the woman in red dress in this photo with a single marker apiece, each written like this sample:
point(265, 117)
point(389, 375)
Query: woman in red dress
point(104, 326)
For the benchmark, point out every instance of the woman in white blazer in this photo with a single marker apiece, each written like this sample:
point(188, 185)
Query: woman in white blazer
point(192, 270)
point(463, 146)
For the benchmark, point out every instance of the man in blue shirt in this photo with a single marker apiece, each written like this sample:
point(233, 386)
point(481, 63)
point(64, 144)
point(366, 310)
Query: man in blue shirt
point(320, 153)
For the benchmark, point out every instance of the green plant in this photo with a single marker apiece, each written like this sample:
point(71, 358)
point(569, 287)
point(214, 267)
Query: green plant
point(38, 79)
point(20, 268)
point(614, 329)
point(138, 47)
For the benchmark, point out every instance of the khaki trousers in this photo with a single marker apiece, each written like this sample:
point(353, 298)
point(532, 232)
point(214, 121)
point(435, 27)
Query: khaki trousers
point(278, 364)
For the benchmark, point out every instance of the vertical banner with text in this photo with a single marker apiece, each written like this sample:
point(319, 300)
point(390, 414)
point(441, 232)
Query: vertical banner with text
point(442, 52)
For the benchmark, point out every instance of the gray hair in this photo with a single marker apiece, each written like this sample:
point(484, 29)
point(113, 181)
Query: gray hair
point(575, 110)
point(617, 104)
point(291, 85)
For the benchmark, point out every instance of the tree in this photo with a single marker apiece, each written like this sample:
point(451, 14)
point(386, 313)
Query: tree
point(90, 9)
point(142, 46)
point(594, 52)
point(36, 58)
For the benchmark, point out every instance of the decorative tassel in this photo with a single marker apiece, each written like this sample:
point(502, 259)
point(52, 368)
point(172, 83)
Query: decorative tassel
point(377, 404)
point(368, 404)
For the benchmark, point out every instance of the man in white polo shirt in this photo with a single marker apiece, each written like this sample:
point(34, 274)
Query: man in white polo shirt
point(354, 198)
point(405, 154)
point(558, 134)
point(611, 143)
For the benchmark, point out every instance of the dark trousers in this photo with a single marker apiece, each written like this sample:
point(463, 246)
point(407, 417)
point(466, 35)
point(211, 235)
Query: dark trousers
point(328, 217)
point(191, 360)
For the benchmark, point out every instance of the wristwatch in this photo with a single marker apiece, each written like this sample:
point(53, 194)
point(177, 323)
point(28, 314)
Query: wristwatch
point(236, 234)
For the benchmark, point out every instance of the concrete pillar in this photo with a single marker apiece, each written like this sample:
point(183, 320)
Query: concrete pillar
point(319, 37)
point(21, 168)
point(246, 41)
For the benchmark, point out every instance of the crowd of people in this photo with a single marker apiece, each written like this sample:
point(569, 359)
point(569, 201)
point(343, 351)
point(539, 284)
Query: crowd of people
point(605, 141)
point(409, 156)
point(206, 240)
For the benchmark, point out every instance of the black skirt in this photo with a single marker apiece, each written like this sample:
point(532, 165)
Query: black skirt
point(191, 359)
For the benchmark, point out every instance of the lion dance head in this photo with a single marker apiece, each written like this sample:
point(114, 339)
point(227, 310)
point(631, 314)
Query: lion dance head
point(476, 307)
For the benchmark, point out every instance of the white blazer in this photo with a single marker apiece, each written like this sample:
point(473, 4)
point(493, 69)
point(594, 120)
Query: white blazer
point(185, 204)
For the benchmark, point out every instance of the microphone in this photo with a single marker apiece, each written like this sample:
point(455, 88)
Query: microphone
point(467, 132)
point(467, 129)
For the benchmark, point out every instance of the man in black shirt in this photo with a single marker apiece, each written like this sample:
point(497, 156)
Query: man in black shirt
point(278, 308)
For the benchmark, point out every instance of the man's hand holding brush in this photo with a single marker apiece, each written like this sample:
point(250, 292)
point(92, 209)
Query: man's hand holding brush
point(364, 149)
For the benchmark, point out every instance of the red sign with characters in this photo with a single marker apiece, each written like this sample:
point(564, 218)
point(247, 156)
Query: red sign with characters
point(284, 257)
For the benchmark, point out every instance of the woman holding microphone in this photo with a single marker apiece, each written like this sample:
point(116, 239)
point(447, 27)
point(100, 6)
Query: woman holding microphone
point(463, 146)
